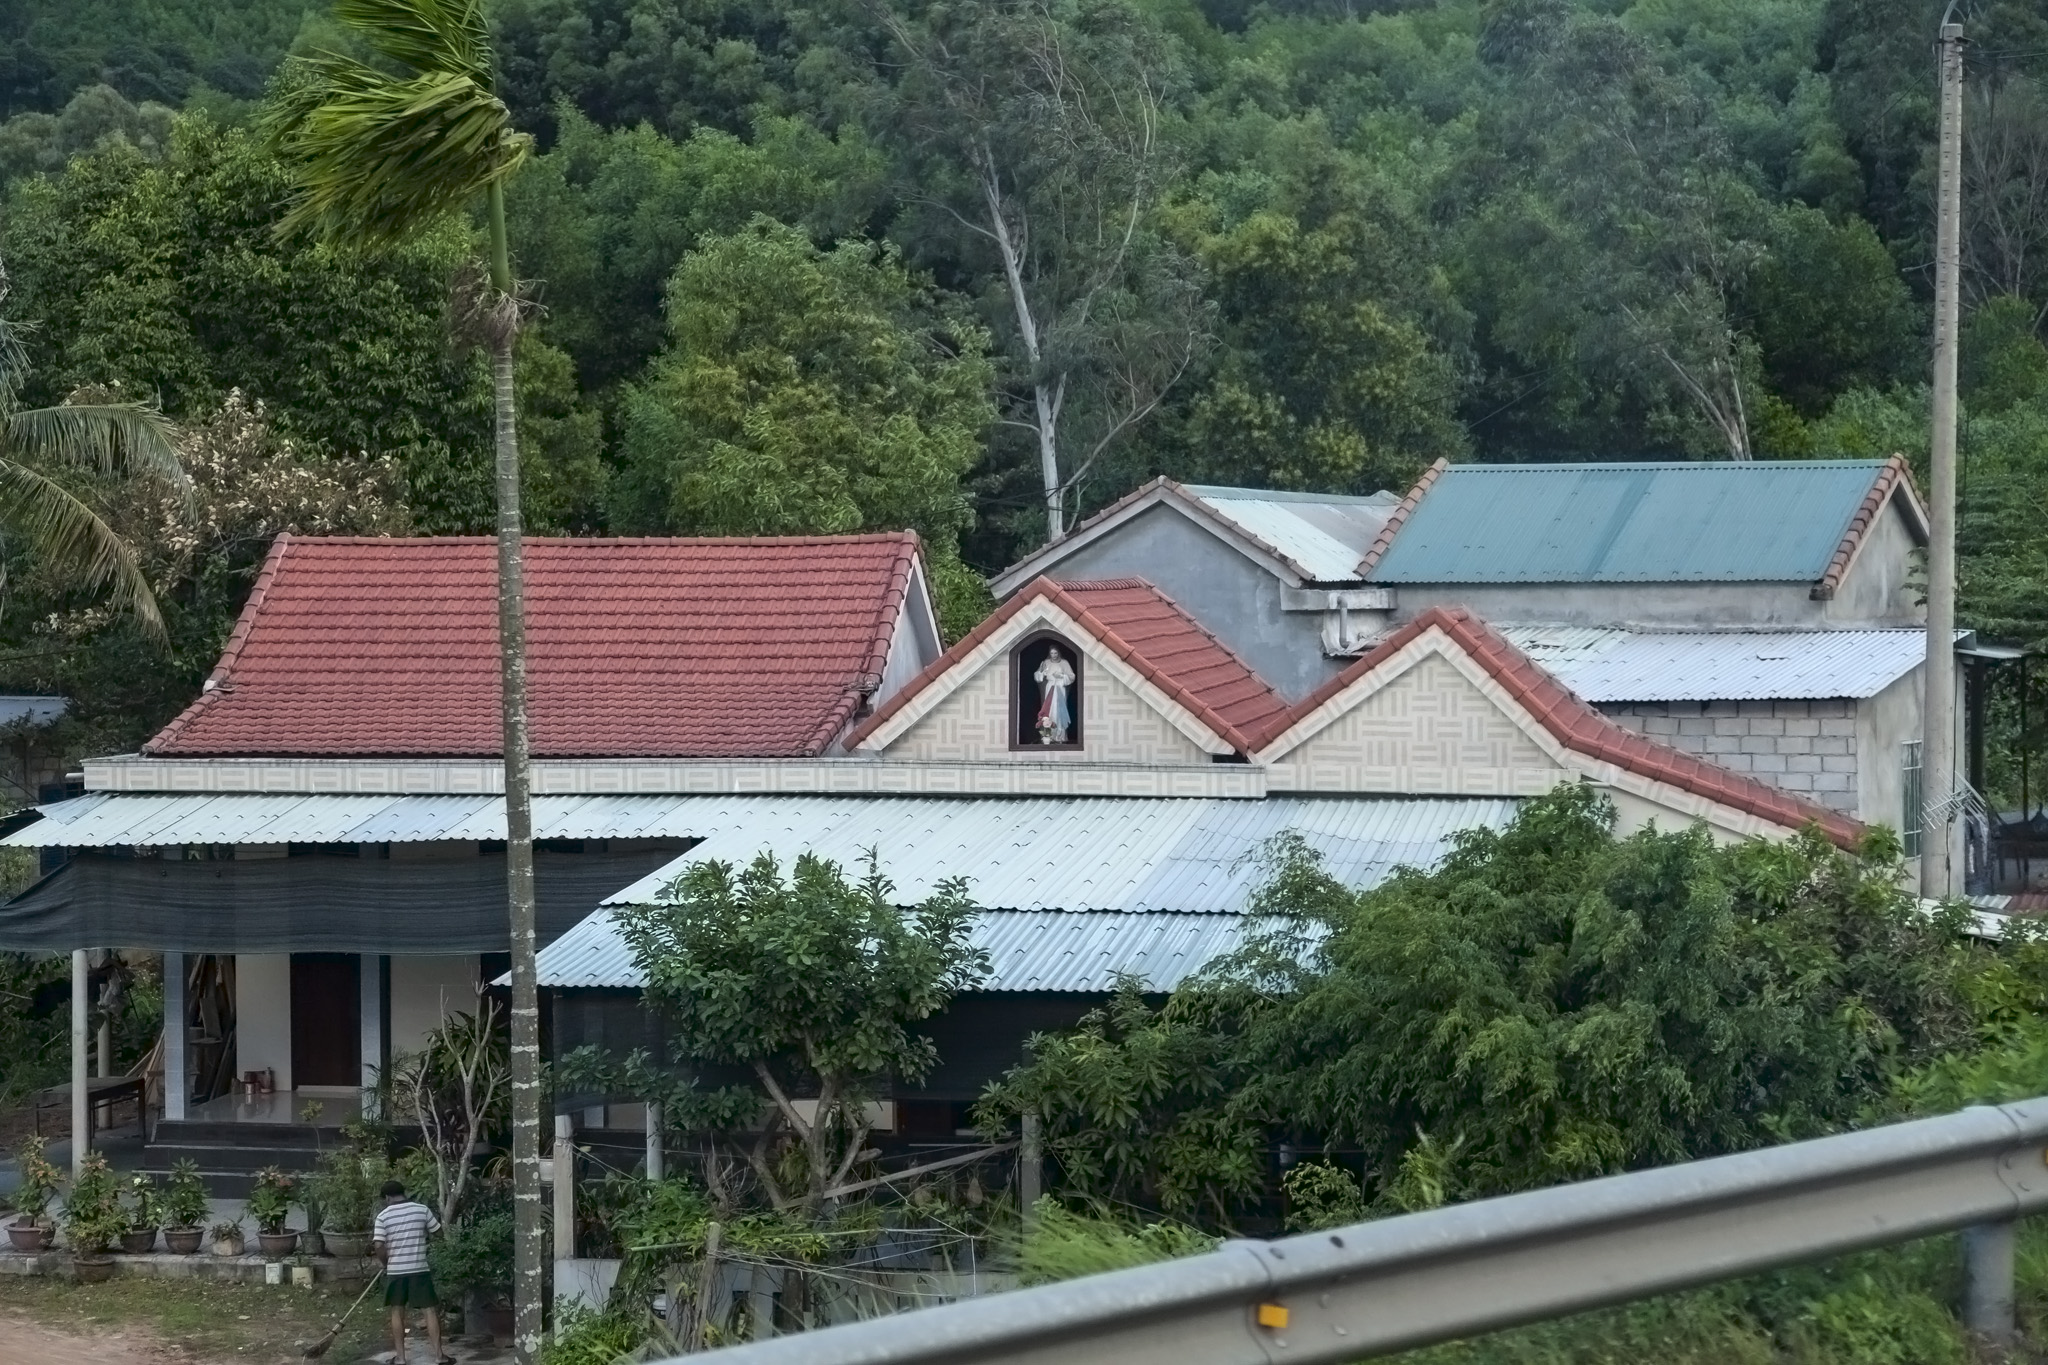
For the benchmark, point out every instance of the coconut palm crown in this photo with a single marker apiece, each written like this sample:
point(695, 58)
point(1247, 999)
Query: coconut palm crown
point(58, 526)
point(380, 156)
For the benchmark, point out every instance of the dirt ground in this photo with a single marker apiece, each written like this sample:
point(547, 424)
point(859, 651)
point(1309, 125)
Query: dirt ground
point(176, 1322)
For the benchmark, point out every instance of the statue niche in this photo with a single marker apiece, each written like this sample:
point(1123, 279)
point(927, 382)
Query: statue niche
point(1045, 694)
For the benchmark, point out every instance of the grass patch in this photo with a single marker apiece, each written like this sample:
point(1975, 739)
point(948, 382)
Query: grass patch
point(208, 1318)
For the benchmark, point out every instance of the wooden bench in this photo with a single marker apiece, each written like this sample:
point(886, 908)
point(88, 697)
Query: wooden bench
point(105, 1093)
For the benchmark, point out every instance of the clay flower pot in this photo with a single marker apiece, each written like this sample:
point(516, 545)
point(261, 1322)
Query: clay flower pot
point(184, 1241)
point(138, 1241)
point(347, 1244)
point(227, 1246)
point(92, 1269)
point(312, 1243)
point(28, 1237)
point(277, 1245)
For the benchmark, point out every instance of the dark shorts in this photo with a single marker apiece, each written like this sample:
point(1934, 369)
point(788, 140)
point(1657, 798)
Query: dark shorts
point(410, 1291)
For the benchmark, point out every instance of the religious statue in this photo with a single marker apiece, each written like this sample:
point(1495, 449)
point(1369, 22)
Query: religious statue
point(1055, 679)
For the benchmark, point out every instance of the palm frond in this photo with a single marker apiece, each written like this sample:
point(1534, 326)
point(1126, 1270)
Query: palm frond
point(380, 157)
point(71, 537)
point(108, 437)
point(445, 36)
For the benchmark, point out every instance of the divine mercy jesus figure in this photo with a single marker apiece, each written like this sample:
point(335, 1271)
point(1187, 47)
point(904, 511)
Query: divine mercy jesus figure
point(1055, 679)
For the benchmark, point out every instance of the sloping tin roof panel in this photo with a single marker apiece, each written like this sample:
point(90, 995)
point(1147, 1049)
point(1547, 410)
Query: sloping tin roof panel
point(1765, 521)
point(1182, 855)
point(1029, 950)
point(1623, 665)
point(1323, 535)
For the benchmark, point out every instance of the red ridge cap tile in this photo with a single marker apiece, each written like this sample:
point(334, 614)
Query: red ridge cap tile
point(1576, 725)
point(1896, 476)
point(1385, 539)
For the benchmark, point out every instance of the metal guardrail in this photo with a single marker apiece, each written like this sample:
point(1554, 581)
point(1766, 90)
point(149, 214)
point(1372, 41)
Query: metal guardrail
point(1411, 1281)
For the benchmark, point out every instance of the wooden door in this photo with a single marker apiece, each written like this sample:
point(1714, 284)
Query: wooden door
point(327, 1031)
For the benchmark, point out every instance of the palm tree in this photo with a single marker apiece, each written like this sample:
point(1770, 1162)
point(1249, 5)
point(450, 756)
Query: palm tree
point(60, 528)
point(381, 157)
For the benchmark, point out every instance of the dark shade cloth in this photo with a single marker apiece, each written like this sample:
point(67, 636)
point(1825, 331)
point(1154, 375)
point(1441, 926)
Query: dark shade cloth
point(316, 903)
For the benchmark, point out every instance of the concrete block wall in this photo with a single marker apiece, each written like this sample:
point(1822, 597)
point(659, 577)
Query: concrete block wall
point(1804, 747)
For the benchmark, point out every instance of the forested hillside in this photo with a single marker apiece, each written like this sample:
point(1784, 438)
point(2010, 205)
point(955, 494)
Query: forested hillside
point(830, 264)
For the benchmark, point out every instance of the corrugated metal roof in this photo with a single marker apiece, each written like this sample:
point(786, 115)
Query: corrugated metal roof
point(1089, 853)
point(1764, 521)
point(1324, 535)
point(1075, 891)
point(1029, 950)
point(1624, 665)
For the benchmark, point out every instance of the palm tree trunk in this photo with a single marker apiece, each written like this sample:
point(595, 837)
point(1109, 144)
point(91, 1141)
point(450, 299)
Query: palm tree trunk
point(529, 1228)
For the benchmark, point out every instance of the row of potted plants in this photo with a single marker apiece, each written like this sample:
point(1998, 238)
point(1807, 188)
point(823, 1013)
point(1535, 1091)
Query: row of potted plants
point(100, 1213)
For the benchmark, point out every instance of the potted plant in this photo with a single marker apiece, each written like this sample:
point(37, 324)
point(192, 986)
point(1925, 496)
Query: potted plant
point(314, 1205)
point(183, 1207)
point(270, 1203)
point(347, 1179)
point(94, 1220)
point(31, 1229)
point(144, 1214)
point(227, 1238)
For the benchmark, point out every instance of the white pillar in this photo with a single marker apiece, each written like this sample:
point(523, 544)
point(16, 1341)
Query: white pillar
point(371, 1008)
point(81, 1113)
point(565, 1186)
point(177, 1080)
point(654, 1152)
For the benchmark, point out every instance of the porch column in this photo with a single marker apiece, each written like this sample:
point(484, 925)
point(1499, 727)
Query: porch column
point(81, 1112)
point(370, 977)
point(177, 1083)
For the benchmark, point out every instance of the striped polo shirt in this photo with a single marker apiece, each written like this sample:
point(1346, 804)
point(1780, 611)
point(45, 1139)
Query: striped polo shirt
point(403, 1229)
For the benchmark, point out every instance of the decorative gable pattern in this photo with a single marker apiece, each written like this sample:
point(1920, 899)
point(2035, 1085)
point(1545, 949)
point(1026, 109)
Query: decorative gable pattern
point(1156, 688)
point(1426, 728)
point(1424, 693)
point(972, 723)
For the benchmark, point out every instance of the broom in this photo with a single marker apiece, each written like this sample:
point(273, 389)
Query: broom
point(319, 1348)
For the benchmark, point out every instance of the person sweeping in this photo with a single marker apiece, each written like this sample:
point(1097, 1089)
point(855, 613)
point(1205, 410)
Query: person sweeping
point(399, 1239)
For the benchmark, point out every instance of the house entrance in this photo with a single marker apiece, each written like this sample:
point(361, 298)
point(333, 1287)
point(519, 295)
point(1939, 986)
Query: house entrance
point(327, 1032)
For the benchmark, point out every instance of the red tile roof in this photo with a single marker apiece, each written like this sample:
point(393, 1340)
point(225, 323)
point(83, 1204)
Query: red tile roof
point(756, 648)
point(1148, 630)
point(1399, 516)
point(1578, 726)
point(1894, 478)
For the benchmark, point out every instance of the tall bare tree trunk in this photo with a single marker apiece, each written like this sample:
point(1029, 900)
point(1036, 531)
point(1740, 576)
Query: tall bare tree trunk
point(529, 1246)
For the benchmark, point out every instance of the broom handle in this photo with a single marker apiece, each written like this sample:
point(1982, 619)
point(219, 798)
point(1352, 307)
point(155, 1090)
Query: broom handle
point(359, 1300)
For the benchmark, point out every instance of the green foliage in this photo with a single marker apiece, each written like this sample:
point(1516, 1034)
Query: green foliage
point(270, 1199)
point(33, 1044)
point(1060, 1244)
point(583, 1337)
point(145, 1206)
point(476, 1253)
point(183, 1202)
point(812, 983)
point(38, 1177)
point(1551, 1003)
point(93, 1217)
point(1321, 1195)
point(806, 391)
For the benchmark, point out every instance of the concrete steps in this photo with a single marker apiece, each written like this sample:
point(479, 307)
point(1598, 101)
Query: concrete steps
point(230, 1154)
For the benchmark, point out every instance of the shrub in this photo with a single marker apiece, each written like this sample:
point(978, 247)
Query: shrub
point(270, 1200)
point(93, 1218)
point(183, 1202)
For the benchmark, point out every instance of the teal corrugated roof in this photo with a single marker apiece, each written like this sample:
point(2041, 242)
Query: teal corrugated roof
point(1767, 521)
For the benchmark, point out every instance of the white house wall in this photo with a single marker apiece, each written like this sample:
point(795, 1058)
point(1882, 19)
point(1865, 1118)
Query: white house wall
point(424, 991)
point(1428, 731)
point(263, 1016)
point(973, 725)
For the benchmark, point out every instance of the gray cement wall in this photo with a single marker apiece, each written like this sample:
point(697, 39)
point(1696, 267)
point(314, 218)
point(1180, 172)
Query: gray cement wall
point(1879, 590)
point(1699, 606)
point(1808, 748)
point(1234, 597)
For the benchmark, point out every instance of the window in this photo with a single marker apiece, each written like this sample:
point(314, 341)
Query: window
point(1913, 816)
point(1045, 694)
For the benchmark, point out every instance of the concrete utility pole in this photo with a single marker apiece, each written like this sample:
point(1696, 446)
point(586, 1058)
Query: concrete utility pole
point(1938, 746)
point(81, 1103)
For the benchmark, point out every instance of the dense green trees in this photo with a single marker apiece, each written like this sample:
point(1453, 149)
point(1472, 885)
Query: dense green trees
point(1296, 244)
point(1551, 1003)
